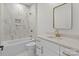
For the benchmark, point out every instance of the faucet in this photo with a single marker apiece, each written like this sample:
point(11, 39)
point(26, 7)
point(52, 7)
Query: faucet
point(57, 34)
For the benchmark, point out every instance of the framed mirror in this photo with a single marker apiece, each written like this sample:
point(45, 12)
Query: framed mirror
point(62, 16)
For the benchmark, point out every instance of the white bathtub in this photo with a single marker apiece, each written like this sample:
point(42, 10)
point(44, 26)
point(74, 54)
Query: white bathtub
point(15, 47)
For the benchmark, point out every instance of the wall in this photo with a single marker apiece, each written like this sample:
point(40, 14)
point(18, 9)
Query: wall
point(10, 29)
point(0, 23)
point(45, 20)
point(32, 19)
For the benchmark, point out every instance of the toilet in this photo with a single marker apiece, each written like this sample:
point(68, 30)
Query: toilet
point(30, 48)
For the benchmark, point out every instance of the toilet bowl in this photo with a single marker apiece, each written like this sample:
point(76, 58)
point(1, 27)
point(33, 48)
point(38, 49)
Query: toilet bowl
point(30, 48)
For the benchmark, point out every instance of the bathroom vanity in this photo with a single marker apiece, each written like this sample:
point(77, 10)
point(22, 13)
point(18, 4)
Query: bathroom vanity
point(45, 48)
point(56, 46)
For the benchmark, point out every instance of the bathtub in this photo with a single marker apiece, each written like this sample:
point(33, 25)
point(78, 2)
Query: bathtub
point(15, 47)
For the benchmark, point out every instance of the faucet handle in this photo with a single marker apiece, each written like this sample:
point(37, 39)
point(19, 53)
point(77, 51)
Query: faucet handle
point(57, 33)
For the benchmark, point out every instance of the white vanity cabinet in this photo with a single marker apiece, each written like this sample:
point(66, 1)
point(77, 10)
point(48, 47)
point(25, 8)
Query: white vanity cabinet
point(46, 48)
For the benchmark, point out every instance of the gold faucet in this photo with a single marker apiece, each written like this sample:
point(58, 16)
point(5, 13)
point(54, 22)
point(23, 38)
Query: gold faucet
point(57, 34)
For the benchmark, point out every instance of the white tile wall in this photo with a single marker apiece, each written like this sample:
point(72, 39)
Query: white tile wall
point(14, 11)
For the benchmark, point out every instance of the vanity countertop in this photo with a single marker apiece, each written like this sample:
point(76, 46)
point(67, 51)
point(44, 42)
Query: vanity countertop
point(63, 41)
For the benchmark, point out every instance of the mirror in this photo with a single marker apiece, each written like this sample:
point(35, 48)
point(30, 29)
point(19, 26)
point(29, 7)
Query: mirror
point(62, 16)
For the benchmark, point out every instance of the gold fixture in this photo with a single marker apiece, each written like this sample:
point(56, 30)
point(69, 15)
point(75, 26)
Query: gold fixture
point(57, 34)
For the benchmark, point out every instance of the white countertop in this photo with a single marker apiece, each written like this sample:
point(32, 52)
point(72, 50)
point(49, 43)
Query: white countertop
point(64, 41)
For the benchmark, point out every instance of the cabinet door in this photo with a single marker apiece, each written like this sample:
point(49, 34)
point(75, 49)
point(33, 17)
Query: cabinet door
point(48, 52)
point(64, 51)
point(47, 48)
point(50, 48)
point(38, 52)
point(38, 47)
point(0, 53)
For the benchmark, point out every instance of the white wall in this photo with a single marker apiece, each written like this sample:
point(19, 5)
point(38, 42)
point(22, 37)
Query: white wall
point(0, 23)
point(45, 20)
point(8, 25)
point(32, 19)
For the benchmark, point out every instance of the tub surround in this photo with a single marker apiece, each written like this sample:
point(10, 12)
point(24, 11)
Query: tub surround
point(63, 41)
